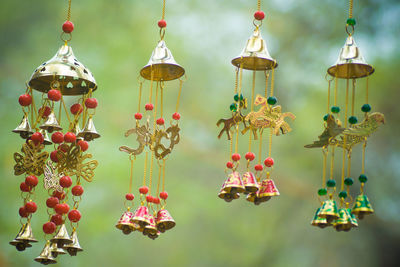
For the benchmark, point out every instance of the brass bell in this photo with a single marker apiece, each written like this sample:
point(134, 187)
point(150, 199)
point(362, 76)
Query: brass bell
point(343, 223)
point(125, 224)
point(27, 234)
point(255, 55)
point(62, 237)
point(55, 250)
point(164, 221)
point(20, 245)
point(351, 63)
point(75, 130)
point(233, 184)
point(24, 128)
point(267, 190)
point(362, 206)
point(140, 216)
point(47, 140)
point(45, 256)
point(151, 228)
point(75, 247)
point(51, 124)
point(162, 65)
point(329, 211)
point(73, 76)
point(228, 197)
point(250, 183)
point(89, 132)
point(319, 221)
point(353, 219)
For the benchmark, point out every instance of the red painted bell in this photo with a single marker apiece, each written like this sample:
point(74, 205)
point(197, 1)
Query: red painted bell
point(125, 224)
point(141, 216)
point(151, 228)
point(267, 190)
point(250, 183)
point(164, 221)
point(228, 197)
point(234, 184)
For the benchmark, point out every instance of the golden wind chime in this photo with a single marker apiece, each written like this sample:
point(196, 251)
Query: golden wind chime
point(258, 186)
point(350, 66)
point(63, 75)
point(152, 135)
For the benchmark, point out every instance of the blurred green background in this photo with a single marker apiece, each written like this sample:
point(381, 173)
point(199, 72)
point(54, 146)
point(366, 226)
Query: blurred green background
point(114, 39)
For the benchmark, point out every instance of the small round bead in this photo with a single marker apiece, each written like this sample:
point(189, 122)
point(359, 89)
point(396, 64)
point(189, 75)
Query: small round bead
point(25, 100)
point(57, 137)
point(235, 156)
point(57, 219)
point(83, 145)
point(348, 181)
point(162, 23)
point(335, 109)
point(59, 195)
point(259, 15)
point(37, 138)
point(45, 111)
point(229, 164)
point(366, 108)
point(351, 21)
point(51, 202)
point(30, 207)
point(322, 192)
point(22, 212)
point(176, 116)
point(54, 95)
point(74, 215)
point(62, 208)
point(258, 167)
point(269, 162)
point(160, 121)
point(49, 227)
point(363, 178)
point(156, 200)
point(138, 116)
point(272, 100)
point(149, 198)
point(129, 196)
point(343, 194)
point(77, 190)
point(68, 26)
point(31, 180)
point(76, 108)
point(164, 195)
point(69, 137)
point(54, 156)
point(250, 156)
point(148, 106)
point(24, 187)
point(353, 120)
point(331, 183)
point(143, 190)
point(65, 181)
point(91, 103)
point(326, 117)
point(233, 107)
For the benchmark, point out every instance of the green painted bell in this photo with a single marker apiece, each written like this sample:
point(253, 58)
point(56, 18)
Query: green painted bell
point(353, 219)
point(319, 221)
point(343, 223)
point(362, 206)
point(329, 211)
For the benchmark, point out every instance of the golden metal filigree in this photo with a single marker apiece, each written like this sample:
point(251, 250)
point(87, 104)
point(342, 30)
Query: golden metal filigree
point(32, 161)
point(52, 177)
point(236, 119)
point(171, 134)
point(68, 160)
point(368, 126)
point(143, 137)
point(84, 169)
point(332, 129)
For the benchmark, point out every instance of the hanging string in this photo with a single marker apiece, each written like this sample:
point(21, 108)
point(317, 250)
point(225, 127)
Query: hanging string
point(161, 100)
point(159, 178)
point(131, 174)
point(353, 95)
point(366, 90)
point(236, 80)
point(163, 10)
point(155, 109)
point(363, 158)
point(69, 11)
point(151, 86)
point(252, 106)
point(145, 168)
point(345, 137)
point(335, 93)
point(163, 176)
point(238, 108)
point(270, 142)
point(151, 172)
point(329, 96)
point(258, 5)
point(332, 163)
point(325, 154)
point(266, 83)
point(179, 95)
point(140, 95)
point(65, 109)
point(230, 149)
point(349, 163)
point(350, 9)
point(272, 82)
point(260, 147)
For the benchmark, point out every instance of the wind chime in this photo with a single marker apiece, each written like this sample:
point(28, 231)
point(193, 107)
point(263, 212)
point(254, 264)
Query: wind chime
point(258, 185)
point(63, 75)
point(156, 140)
point(350, 66)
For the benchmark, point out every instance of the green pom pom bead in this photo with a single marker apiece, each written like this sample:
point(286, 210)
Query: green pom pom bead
point(331, 183)
point(322, 192)
point(236, 97)
point(233, 107)
point(366, 108)
point(362, 178)
point(272, 100)
point(351, 21)
point(353, 120)
point(335, 109)
point(348, 181)
point(326, 117)
point(343, 194)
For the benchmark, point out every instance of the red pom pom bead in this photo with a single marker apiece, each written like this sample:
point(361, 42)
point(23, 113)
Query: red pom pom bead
point(229, 164)
point(236, 157)
point(51, 202)
point(162, 23)
point(62, 208)
point(24, 187)
point(164, 195)
point(65, 181)
point(138, 116)
point(91, 103)
point(269, 162)
point(22, 212)
point(259, 15)
point(30, 207)
point(25, 100)
point(57, 219)
point(68, 26)
point(156, 200)
point(31, 180)
point(54, 156)
point(74, 215)
point(76, 109)
point(77, 190)
point(258, 167)
point(176, 116)
point(160, 121)
point(59, 195)
point(69, 137)
point(143, 190)
point(57, 137)
point(148, 106)
point(49, 227)
point(129, 196)
point(250, 156)
point(54, 95)
point(149, 198)
point(37, 138)
point(83, 144)
point(45, 111)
